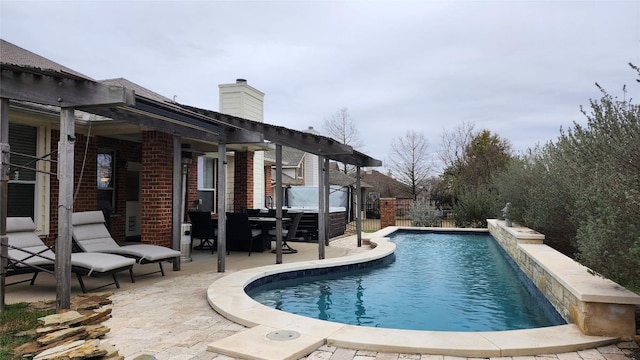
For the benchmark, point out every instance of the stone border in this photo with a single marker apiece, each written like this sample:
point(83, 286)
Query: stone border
point(227, 297)
point(598, 306)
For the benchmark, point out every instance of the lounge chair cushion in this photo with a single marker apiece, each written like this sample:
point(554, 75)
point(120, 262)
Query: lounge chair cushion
point(91, 235)
point(100, 262)
point(21, 231)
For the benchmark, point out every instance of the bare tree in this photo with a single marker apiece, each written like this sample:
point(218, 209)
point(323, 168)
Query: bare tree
point(410, 161)
point(342, 128)
point(455, 143)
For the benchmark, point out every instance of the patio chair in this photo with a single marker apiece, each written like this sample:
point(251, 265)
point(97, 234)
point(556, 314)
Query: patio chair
point(91, 235)
point(28, 254)
point(203, 227)
point(288, 233)
point(240, 234)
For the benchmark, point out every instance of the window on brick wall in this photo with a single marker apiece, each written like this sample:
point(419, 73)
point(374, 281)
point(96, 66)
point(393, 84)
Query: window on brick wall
point(207, 180)
point(23, 141)
point(106, 181)
point(27, 188)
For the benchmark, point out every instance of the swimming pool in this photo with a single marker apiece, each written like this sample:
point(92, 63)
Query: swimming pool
point(443, 281)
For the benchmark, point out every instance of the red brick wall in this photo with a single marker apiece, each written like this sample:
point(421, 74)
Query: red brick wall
point(387, 212)
point(268, 190)
point(86, 198)
point(84, 189)
point(156, 188)
point(192, 186)
point(126, 151)
point(243, 180)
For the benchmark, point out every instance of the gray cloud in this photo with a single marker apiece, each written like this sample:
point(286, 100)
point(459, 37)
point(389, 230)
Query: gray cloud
point(521, 69)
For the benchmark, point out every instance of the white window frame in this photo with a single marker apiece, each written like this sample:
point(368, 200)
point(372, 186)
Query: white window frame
point(42, 187)
point(205, 162)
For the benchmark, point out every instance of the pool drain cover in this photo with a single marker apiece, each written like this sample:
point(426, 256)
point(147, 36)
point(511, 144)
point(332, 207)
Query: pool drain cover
point(283, 335)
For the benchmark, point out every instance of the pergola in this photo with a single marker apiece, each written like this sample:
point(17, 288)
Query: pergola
point(69, 92)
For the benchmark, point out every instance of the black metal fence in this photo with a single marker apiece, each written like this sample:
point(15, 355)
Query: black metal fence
point(371, 216)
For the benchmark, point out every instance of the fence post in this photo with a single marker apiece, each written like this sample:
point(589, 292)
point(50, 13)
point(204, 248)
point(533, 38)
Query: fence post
point(387, 212)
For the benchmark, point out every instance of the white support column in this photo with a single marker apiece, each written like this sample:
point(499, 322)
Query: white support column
point(66, 147)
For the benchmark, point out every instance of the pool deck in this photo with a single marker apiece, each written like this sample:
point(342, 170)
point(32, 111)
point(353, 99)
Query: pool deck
point(170, 318)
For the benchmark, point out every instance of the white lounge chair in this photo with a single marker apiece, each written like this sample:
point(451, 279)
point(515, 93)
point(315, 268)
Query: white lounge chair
point(91, 235)
point(27, 254)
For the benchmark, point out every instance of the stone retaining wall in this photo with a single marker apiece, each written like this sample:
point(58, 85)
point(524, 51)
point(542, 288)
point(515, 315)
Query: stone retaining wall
point(596, 305)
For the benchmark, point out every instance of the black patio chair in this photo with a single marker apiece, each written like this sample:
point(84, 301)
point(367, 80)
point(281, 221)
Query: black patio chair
point(203, 227)
point(240, 235)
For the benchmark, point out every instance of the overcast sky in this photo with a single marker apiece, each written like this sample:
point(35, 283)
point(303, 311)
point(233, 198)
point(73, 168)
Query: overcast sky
point(520, 69)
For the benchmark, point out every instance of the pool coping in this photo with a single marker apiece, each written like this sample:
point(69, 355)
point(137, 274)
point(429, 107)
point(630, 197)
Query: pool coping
point(227, 297)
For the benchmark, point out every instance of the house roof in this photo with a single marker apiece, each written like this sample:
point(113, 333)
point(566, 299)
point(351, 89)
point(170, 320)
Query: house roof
point(337, 177)
point(386, 185)
point(290, 157)
point(139, 90)
point(59, 86)
point(11, 54)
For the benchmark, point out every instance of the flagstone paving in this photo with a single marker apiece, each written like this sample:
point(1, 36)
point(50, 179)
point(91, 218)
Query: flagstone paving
point(170, 319)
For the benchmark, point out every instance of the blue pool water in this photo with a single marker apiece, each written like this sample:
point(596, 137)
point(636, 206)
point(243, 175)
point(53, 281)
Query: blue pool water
point(438, 281)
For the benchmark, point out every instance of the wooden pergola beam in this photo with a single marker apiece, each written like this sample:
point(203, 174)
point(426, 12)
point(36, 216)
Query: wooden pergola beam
point(60, 91)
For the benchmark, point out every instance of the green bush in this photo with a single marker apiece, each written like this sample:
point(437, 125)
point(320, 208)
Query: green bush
point(424, 214)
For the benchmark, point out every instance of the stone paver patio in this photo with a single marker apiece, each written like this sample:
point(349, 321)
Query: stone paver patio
point(170, 318)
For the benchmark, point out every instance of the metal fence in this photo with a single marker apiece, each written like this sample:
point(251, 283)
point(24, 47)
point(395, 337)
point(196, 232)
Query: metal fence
point(371, 216)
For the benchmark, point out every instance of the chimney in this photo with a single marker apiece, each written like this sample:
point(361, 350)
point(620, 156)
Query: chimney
point(241, 100)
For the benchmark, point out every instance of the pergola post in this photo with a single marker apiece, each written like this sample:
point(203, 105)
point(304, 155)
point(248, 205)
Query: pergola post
point(222, 205)
point(279, 204)
point(327, 204)
point(177, 200)
point(321, 206)
point(66, 147)
point(4, 182)
point(358, 204)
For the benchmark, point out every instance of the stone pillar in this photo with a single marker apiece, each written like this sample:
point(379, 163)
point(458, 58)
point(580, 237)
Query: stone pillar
point(156, 188)
point(243, 180)
point(387, 212)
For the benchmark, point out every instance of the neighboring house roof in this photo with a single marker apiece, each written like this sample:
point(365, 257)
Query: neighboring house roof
point(290, 157)
point(386, 185)
point(337, 177)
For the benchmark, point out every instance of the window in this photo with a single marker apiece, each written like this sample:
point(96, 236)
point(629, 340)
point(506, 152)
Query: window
point(300, 173)
point(106, 180)
point(23, 142)
point(207, 180)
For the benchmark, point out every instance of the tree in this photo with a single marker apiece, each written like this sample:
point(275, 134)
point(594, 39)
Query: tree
point(410, 161)
point(471, 158)
point(583, 190)
point(342, 128)
point(454, 144)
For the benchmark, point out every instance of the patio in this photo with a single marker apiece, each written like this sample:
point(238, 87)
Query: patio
point(169, 317)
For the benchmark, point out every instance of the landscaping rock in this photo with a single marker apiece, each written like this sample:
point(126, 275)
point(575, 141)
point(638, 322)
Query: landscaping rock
point(74, 334)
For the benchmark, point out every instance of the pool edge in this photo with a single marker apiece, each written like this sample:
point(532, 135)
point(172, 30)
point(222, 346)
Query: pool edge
point(228, 298)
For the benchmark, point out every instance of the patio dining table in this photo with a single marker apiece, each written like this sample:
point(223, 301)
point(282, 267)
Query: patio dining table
point(266, 223)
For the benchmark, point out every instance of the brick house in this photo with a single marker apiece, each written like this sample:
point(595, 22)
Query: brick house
point(139, 156)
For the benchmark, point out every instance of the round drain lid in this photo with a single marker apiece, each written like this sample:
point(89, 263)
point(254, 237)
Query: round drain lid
point(283, 335)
